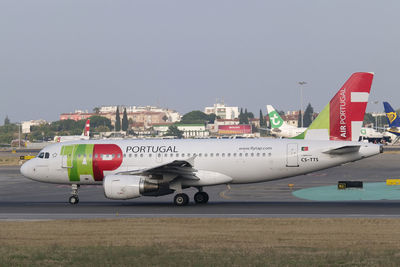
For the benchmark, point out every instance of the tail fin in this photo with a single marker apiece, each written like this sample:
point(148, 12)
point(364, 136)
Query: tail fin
point(391, 115)
point(86, 130)
point(342, 118)
point(275, 119)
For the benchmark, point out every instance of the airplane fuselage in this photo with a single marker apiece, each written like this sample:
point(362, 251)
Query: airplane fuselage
point(216, 161)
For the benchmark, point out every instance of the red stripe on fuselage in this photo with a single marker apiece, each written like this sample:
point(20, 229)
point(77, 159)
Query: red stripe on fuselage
point(106, 157)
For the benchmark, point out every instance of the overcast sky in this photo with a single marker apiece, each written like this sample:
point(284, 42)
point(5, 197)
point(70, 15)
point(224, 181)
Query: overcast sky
point(57, 56)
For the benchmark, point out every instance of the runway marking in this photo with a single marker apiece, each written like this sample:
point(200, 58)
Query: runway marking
point(70, 216)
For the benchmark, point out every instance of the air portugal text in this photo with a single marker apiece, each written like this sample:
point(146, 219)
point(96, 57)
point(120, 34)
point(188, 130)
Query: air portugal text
point(150, 149)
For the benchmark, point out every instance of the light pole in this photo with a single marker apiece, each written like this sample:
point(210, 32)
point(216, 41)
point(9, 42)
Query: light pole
point(376, 113)
point(301, 100)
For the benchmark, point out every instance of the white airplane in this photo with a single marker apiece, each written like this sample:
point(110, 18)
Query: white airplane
point(279, 127)
point(84, 136)
point(129, 169)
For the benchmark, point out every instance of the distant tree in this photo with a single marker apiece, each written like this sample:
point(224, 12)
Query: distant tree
point(262, 120)
point(6, 120)
point(125, 121)
point(308, 115)
point(241, 116)
point(368, 119)
point(101, 129)
point(174, 131)
point(117, 121)
point(197, 116)
point(299, 120)
point(97, 121)
point(165, 118)
point(96, 110)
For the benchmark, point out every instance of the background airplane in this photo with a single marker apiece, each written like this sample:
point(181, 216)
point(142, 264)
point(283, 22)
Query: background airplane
point(393, 121)
point(84, 136)
point(133, 168)
point(279, 127)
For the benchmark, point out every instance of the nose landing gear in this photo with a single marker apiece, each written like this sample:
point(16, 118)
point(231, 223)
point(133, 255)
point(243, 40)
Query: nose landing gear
point(74, 199)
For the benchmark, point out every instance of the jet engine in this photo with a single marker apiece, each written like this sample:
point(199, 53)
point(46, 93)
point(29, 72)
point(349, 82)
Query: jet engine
point(127, 186)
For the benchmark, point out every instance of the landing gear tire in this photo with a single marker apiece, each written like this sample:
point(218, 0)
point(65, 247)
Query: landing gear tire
point(181, 199)
point(201, 197)
point(73, 200)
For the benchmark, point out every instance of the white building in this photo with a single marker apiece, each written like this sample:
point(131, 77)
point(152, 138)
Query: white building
point(222, 111)
point(189, 130)
point(26, 125)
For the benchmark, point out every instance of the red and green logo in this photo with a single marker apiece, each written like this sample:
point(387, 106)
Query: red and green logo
point(90, 160)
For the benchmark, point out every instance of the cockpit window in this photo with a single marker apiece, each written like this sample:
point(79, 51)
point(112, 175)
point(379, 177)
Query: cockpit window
point(46, 155)
point(41, 155)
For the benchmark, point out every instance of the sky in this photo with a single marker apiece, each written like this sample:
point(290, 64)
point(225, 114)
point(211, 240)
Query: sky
point(58, 56)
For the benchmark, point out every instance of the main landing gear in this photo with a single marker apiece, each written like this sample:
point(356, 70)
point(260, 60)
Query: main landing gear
point(182, 199)
point(74, 199)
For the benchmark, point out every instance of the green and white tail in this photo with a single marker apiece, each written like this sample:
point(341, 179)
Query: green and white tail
point(275, 119)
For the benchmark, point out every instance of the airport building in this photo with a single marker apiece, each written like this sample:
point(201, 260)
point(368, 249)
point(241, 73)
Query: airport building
point(26, 125)
point(189, 130)
point(139, 117)
point(222, 111)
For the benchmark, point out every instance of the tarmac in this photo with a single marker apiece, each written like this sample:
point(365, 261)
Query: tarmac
point(23, 199)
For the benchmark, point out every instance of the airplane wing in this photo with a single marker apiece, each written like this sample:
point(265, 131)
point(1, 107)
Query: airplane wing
point(182, 168)
point(342, 150)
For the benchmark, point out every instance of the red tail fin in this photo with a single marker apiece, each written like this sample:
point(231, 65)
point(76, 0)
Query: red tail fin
point(86, 132)
point(347, 107)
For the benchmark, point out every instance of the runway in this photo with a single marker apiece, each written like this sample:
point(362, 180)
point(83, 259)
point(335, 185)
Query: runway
point(23, 199)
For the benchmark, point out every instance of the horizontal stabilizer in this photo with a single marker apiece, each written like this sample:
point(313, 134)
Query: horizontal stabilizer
point(343, 150)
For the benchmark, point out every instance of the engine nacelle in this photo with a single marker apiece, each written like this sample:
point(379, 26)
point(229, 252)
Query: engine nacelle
point(126, 186)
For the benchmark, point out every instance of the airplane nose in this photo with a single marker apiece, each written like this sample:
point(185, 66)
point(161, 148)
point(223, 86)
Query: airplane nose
point(25, 169)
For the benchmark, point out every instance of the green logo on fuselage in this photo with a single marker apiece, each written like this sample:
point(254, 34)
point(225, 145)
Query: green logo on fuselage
point(275, 119)
point(79, 160)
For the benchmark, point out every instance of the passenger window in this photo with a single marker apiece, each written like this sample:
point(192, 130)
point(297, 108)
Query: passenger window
point(211, 154)
point(240, 154)
point(234, 154)
point(252, 154)
point(246, 154)
point(217, 154)
point(229, 154)
point(263, 154)
point(188, 154)
point(124, 155)
point(149, 155)
point(141, 155)
point(119, 156)
point(159, 155)
point(47, 155)
point(223, 155)
point(258, 154)
point(130, 155)
point(95, 156)
point(41, 155)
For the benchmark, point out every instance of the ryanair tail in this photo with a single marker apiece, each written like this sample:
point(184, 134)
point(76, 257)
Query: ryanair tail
point(342, 118)
point(391, 115)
